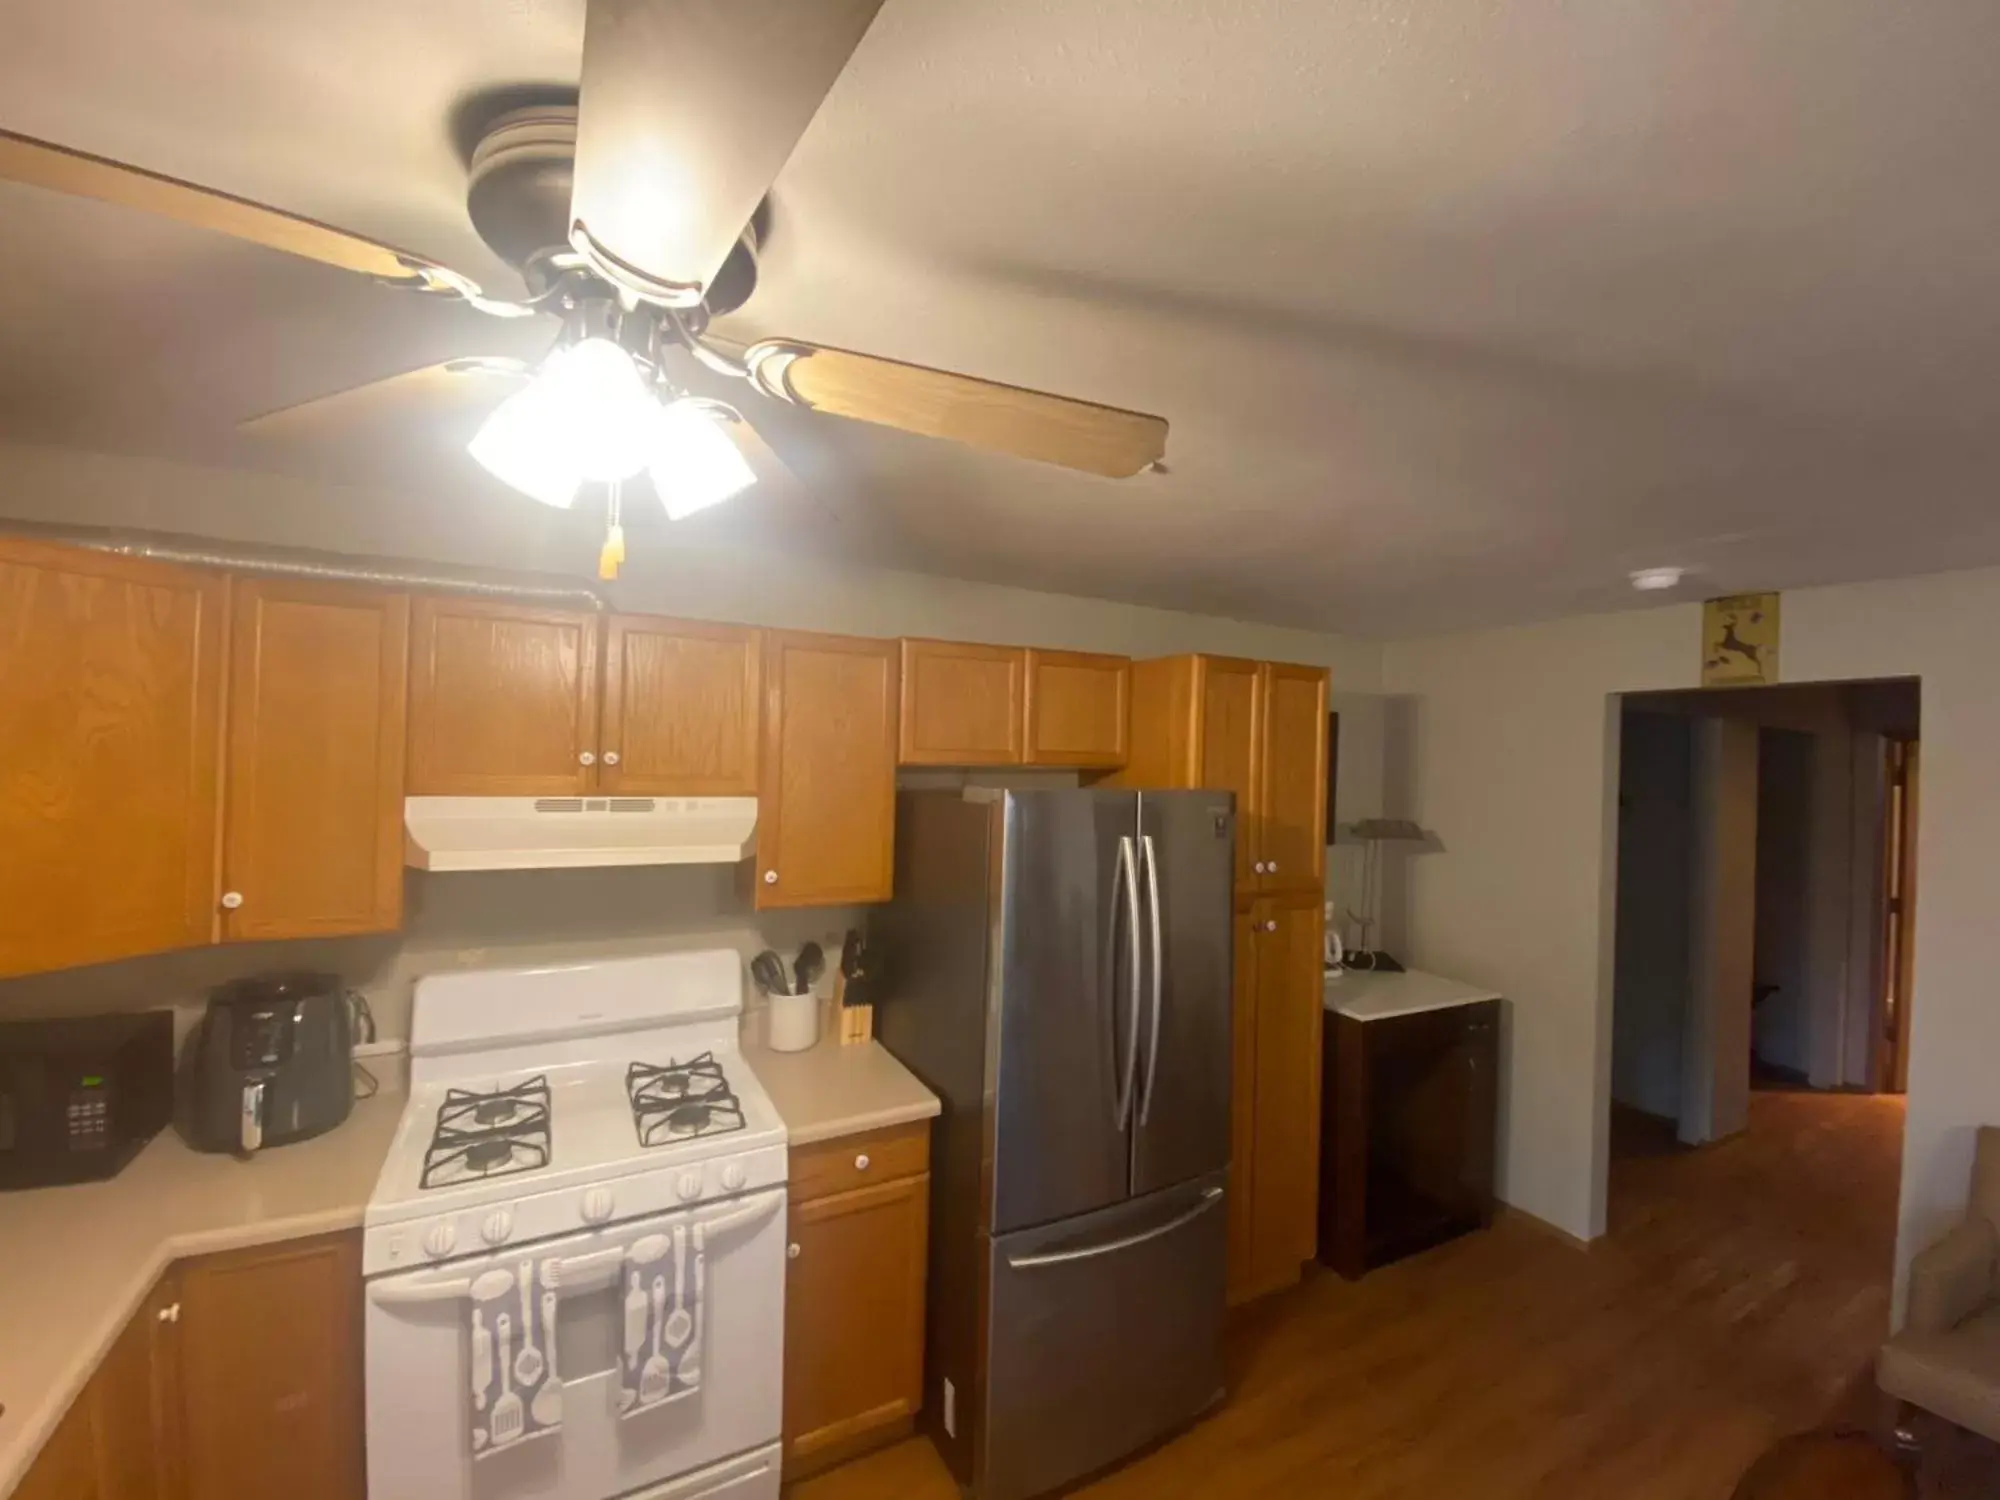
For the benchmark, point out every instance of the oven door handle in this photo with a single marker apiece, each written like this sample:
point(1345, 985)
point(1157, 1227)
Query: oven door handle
point(430, 1291)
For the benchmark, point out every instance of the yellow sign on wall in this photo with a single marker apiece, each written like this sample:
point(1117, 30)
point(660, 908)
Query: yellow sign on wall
point(1739, 641)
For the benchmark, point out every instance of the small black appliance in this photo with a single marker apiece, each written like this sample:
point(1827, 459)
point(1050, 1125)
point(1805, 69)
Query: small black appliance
point(272, 1062)
point(80, 1097)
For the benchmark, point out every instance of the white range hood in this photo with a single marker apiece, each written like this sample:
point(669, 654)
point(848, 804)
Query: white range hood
point(561, 833)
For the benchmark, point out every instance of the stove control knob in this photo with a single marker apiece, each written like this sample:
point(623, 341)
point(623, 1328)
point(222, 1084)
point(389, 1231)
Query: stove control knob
point(597, 1205)
point(732, 1176)
point(499, 1224)
point(689, 1186)
point(439, 1239)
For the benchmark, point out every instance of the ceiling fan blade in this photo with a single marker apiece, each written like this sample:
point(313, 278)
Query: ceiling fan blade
point(1082, 435)
point(450, 387)
point(760, 455)
point(59, 169)
point(688, 110)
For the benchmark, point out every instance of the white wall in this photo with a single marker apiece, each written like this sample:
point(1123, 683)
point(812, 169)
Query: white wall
point(1656, 885)
point(1715, 1050)
point(1510, 767)
point(1783, 1023)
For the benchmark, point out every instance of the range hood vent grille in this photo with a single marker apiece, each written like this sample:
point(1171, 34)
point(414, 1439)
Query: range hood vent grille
point(596, 804)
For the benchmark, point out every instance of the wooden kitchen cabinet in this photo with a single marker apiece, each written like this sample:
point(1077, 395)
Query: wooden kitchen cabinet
point(135, 1400)
point(1078, 709)
point(503, 700)
point(1257, 729)
point(680, 708)
point(854, 1295)
point(1285, 1001)
point(313, 813)
point(826, 814)
point(110, 760)
point(270, 1356)
point(962, 705)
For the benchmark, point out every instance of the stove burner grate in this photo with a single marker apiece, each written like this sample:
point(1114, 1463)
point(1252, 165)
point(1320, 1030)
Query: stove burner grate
point(490, 1133)
point(681, 1101)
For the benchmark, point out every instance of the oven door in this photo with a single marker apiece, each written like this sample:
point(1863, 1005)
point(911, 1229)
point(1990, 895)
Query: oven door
point(419, 1366)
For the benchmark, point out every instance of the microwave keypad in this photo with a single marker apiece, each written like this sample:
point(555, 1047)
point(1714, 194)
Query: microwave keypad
point(88, 1125)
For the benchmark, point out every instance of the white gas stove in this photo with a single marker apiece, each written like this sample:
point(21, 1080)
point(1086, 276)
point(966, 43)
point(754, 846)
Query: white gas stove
point(591, 1137)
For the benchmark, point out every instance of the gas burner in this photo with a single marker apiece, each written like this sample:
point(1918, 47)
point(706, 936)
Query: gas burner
point(681, 1101)
point(489, 1134)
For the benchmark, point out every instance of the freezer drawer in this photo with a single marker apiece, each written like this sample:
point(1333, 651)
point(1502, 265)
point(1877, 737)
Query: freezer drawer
point(1106, 1334)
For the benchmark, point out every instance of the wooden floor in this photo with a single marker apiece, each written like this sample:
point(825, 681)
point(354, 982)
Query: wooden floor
point(1739, 1295)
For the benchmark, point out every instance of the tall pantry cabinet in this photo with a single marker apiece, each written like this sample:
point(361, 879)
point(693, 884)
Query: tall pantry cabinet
point(1258, 729)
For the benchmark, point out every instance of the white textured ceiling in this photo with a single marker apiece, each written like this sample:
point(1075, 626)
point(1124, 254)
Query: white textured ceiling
point(1460, 309)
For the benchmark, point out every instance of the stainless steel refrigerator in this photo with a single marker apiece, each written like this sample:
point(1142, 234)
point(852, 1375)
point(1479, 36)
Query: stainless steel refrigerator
point(1057, 967)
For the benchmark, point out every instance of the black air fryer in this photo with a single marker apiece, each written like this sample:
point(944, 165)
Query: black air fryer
point(271, 1063)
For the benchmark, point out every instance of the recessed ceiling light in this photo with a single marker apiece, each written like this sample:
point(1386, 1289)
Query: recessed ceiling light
point(1652, 579)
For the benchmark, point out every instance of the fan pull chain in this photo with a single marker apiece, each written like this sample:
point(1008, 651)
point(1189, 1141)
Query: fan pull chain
point(612, 557)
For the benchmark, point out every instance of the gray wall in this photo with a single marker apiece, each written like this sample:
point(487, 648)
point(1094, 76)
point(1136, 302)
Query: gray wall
point(1784, 825)
point(1655, 884)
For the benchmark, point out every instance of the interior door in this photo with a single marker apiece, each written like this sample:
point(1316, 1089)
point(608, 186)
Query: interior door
point(1292, 839)
point(503, 700)
point(1228, 758)
point(1181, 1118)
point(680, 708)
point(110, 742)
point(313, 824)
point(1067, 1027)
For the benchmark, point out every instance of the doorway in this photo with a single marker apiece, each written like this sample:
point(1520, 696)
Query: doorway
point(1767, 870)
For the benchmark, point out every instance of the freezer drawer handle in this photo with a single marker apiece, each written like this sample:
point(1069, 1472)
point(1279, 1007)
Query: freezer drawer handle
point(1150, 857)
point(1209, 1199)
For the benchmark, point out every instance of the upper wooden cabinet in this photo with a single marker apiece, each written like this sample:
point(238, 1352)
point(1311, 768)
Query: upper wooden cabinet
point(110, 755)
point(1257, 729)
point(313, 817)
point(962, 705)
point(826, 811)
point(1079, 709)
point(680, 708)
point(503, 700)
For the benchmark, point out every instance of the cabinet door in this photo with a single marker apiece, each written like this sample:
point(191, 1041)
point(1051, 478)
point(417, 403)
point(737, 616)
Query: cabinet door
point(680, 708)
point(854, 1321)
point(1228, 723)
point(962, 705)
point(1079, 709)
point(503, 700)
point(1292, 787)
point(313, 820)
point(271, 1371)
point(1243, 1108)
point(136, 1398)
point(1285, 1175)
point(826, 813)
point(109, 762)
point(66, 1468)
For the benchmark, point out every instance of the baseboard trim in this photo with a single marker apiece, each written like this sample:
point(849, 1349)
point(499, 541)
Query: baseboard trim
point(1541, 1226)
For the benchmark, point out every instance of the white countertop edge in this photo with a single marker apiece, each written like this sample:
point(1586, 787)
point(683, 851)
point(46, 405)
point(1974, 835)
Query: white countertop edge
point(1370, 995)
point(881, 1119)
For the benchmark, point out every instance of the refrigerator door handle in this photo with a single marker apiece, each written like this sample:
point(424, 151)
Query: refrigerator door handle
point(1129, 875)
point(1150, 858)
point(1111, 1247)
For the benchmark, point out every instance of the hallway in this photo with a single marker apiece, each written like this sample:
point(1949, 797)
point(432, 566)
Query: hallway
point(1740, 1292)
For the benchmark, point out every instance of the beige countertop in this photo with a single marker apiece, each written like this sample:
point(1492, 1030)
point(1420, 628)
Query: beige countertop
point(76, 1262)
point(833, 1089)
point(1364, 995)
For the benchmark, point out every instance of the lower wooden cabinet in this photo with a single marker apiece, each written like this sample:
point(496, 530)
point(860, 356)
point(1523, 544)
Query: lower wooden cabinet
point(238, 1378)
point(1274, 1172)
point(854, 1295)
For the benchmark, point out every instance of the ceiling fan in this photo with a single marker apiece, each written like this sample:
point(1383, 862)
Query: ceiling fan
point(635, 217)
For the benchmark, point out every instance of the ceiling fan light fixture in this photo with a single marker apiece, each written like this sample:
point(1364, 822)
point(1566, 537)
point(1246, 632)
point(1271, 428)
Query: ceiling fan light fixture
point(521, 444)
point(695, 464)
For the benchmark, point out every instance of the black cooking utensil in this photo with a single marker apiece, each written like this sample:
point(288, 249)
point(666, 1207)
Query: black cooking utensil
point(810, 964)
point(769, 971)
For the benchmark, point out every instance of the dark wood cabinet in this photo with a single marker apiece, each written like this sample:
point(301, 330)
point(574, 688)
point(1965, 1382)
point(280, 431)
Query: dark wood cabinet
point(1407, 1132)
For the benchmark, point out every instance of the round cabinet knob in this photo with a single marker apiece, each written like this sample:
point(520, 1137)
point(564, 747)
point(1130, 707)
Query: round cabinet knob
point(861, 1162)
point(1270, 926)
point(231, 900)
point(597, 1205)
point(1258, 867)
point(611, 757)
point(586, 759)
point(732, 1176)
point(792, 1251)
point(689, 1186)
point(1270, 867)
point(499, 1224)
point(439, 1239)
point(770, 877)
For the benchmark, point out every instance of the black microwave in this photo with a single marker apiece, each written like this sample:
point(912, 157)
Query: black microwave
point(80, 1098)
